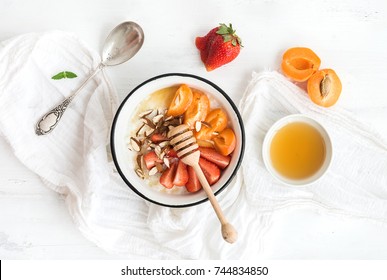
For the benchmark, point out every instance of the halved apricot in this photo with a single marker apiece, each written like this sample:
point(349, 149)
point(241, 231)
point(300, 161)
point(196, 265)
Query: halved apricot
point(324, 87)
point(205, 143)
point(300, 63)
point(215, 122)
point(198, 109)
point(181, 101)
point(225, 142)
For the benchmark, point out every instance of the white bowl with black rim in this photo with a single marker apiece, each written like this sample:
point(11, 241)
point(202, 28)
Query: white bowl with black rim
point(124, 159)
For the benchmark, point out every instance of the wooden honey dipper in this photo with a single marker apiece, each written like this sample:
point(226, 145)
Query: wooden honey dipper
point(184, 143)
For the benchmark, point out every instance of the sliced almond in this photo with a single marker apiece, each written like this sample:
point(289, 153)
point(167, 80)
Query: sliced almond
point(148, 122)
point(145, 113)
point(140, 173)
point(153, 171)
point(169, 118)
point(157, 118)
point(164, 144)
point(139, 160)
point(198, 126)
point(158, 151)
point(139, 129)
point(215, 133)
point(166, 162)
point(149, 132)
point(136, 145)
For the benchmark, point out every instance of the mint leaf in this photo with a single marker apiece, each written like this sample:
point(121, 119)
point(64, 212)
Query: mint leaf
point(58, 76)
point(63, 75)
point(70, 75)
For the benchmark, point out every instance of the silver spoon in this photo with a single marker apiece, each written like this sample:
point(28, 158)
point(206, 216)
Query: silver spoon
point(123, 42)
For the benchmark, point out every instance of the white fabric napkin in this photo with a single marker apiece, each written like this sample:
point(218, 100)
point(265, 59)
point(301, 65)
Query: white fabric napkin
point(356, 183)
point(73, 159)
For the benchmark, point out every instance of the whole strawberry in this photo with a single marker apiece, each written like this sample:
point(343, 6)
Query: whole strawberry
point(220, 46)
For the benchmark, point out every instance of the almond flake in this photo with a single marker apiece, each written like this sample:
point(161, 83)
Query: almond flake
point(148, 122)
point(139, 129)
point(166, 162)
point(139, 160)
point(157, 118)
point(169, 118)
point(158, 151)
point(145, 113)
point(149, 132)
point(153, 171)
point(164, 144)
point(198, 126)
point(140, 173)
point(136, 145)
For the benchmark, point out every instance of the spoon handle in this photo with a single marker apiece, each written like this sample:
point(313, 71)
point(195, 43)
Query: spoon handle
point(51, 119)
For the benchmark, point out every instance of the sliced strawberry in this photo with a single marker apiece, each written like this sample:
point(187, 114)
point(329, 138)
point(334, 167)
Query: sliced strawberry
point(213, 156)
point(210, 170)
point(150, 160)
point(172, 153)
point(157, 138)
point(193, 184)
point(181, 176)
point(166, 179)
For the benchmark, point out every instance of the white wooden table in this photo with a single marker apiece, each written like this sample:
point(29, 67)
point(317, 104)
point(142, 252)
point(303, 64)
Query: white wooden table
point(348, 35)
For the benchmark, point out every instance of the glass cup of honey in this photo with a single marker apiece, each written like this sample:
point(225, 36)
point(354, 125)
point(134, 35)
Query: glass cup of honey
point(297, 150)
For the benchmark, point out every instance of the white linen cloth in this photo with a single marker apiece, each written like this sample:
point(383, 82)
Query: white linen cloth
point(73, 160)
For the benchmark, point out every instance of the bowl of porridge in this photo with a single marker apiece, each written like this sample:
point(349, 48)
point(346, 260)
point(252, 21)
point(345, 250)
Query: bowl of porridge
point(140, 147)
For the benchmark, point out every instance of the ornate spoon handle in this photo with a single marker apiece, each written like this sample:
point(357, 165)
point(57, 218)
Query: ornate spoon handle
point(51, 119)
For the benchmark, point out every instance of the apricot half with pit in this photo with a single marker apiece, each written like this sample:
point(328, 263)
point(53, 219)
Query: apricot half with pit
point(324, 87)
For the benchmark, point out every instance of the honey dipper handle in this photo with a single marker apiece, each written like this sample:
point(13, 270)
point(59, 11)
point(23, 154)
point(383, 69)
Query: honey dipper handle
point(228, 231)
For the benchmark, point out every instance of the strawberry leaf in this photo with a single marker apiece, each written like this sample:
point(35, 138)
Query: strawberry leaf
point(228, 34)
point(239, 41)
point(223, 30)
point(227, 38)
